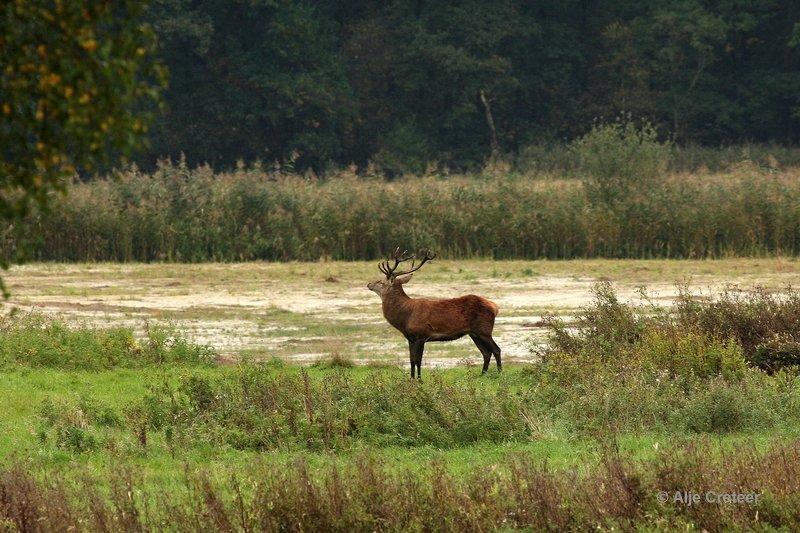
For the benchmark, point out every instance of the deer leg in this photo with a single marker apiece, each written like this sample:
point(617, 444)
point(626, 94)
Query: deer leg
point(485, 351)
point(496, 352)
point(412, 355)
point(493, 349)
point(420, 349)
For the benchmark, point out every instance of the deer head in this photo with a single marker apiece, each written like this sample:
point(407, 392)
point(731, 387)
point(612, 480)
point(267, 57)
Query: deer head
point(392, 278)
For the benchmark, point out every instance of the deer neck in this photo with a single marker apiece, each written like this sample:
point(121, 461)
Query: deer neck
point(396, 307)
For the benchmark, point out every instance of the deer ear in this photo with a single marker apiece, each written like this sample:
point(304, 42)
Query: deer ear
point(404, 279)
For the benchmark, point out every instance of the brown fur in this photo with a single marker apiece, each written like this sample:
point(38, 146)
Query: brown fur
point(433, 320)
point(423, 320)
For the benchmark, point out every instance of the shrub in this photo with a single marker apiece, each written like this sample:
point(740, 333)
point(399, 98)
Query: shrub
point(75, 425)
point(542, 158)
point(619, 158)
point(715, 408)
point(779, 351)
point(337, 360)
point(620, 366)
point(700, 337)
point(765, 325)
point(692, 158)
point(262, 408)
point(42, 341)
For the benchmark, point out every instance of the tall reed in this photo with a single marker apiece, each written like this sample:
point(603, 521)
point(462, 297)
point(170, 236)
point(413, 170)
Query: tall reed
point(191, 215)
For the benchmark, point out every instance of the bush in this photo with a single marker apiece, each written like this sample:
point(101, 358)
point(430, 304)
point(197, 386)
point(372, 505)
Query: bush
point(765, 325)
point(262, 408)
point(769, 157)
point(780, 351)
point(546, 158)
point(75, 425)
point(716, 408)
point(620, 158)
point(618, 366)
point(699, 337)
point(41, 341)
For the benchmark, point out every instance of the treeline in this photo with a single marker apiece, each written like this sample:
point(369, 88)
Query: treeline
point(182, 214)
point(405, 83)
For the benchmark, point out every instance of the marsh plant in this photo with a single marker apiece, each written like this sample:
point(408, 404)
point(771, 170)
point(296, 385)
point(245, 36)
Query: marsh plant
point(190, 215)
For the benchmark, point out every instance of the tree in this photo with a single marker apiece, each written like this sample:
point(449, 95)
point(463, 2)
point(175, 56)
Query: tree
point(684, 39)
point(444, 78)
point(407, 83)
point(250, 80)
point(77, 78)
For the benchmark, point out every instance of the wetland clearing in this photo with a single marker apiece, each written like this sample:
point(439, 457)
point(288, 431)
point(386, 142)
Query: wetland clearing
point(304, 312)
point(258, 394)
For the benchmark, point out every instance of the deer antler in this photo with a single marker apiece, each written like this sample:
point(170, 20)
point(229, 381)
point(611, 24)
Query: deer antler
point(398, 258)
point(429, 256)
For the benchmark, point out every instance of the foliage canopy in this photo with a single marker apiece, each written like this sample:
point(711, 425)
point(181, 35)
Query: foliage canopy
point(76, 77)
point(403, 84)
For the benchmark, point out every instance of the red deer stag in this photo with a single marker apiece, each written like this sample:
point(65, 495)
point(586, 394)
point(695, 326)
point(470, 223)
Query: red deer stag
point(421, 319)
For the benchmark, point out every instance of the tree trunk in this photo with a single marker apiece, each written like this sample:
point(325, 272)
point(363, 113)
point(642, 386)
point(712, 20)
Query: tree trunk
point(490, 122)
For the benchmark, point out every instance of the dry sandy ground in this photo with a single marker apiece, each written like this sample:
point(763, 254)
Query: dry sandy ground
point(308, 311)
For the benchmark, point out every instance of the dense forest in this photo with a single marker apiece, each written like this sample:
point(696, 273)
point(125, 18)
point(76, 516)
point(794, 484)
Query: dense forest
point(403, 83)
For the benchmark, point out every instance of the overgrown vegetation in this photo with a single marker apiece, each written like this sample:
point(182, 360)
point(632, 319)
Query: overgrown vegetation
point(179, 214)
point(40, 341)
point(562, 159)
point(75, 424)
point(626, 367)
point(310, 436)
point(261, 409)
point(366, 495)
point(754, 327)
point(620, 159)
point(617, 368)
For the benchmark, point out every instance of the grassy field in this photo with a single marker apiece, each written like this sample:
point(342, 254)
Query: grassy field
point(25, 391)
point(179, 386)
point(303, 312)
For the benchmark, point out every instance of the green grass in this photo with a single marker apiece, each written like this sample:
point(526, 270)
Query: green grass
point(68, 427)
point(38, 340)
point(620, 370)
point(24, 390)
point(672, 395)
point(575, 463)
